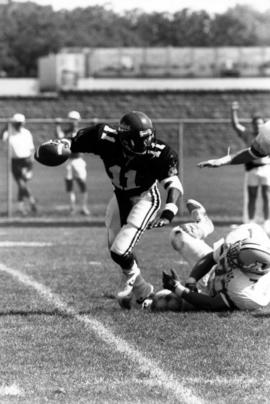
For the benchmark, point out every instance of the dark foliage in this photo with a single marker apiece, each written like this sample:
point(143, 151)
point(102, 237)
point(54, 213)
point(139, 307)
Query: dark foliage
point(28, 31)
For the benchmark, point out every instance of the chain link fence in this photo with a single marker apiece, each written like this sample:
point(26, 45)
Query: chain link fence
point(220, 189)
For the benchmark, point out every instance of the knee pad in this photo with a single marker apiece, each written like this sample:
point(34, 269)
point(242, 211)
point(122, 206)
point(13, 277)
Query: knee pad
point(125, 261)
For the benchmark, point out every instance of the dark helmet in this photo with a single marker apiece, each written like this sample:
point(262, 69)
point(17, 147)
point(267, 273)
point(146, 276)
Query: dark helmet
point(136, 132)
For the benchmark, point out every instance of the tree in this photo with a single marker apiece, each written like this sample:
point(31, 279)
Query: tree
point(29, 31)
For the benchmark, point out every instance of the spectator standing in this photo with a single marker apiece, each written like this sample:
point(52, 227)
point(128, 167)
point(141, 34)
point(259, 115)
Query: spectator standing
point(257, 175)
point(76, 171)
point(22, 148)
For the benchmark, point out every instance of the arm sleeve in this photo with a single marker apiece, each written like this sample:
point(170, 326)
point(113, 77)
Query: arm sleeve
point(240, 129)
point(87, 140)
point(168, 165)
point(204, 302)
point(60, 133)
point(203, 266)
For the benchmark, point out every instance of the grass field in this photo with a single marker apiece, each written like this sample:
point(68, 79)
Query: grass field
point(65, 340)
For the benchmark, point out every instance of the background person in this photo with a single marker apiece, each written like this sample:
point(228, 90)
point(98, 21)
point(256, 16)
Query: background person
point(257, 175)
point(260, 147)
point(22, 150)
point(76, 171)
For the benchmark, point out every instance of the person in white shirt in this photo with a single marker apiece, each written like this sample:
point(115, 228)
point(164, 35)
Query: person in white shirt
point(22, 149)
point(76, 171)
point(234, 274)
point(259, 148)
point(257, 172)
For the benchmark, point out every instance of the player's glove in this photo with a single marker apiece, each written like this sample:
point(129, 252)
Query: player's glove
point(159, 222)
point(170, 281)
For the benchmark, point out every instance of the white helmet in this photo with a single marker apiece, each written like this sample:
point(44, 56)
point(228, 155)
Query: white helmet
point(75, 115)
point(18, 118)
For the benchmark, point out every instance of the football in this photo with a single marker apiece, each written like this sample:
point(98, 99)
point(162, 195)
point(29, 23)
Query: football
point(52, 153)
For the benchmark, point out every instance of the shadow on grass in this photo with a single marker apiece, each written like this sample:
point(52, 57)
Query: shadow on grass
point(34, 313)
point(265, 314)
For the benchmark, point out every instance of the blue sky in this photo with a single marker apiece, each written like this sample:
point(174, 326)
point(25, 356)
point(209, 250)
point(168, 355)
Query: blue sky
point(212, 6)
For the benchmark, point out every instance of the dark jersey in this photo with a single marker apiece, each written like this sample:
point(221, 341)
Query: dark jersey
point(131, 174)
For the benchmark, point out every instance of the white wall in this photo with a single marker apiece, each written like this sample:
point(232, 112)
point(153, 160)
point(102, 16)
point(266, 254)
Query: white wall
point(19, 87)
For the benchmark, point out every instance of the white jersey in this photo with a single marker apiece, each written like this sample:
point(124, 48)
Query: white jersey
point(242, 273)
point(21, 142)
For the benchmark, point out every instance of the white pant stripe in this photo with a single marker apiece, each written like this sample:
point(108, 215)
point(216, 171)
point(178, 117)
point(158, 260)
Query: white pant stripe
point(154, 208)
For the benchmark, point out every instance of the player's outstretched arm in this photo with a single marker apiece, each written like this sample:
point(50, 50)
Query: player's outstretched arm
point(203, 302)
point(242, 157)
point(198, 300)
point(240, 129)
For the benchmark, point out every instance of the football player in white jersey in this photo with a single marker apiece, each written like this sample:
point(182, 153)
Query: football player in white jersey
point(232, 275)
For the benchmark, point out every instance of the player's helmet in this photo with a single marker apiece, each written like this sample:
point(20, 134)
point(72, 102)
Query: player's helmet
point(136, 132)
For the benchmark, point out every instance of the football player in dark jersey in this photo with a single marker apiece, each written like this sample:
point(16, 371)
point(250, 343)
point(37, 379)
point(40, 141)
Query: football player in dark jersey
point(135, 161)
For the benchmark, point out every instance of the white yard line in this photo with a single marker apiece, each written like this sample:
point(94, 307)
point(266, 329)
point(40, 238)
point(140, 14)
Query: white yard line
point(226, 381)
point(165, 380)
point(5, 244)
point(94, 263)
point(11, 390)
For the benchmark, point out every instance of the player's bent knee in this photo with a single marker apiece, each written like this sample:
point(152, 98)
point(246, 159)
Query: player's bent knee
point(125, 261)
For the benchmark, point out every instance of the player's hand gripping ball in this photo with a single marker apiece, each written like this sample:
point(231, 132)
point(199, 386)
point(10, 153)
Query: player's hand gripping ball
point(53, 152)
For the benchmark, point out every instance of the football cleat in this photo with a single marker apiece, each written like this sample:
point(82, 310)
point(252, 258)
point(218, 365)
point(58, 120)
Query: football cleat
point(143, 291)
point(163, 300)
point(147, 304)
point(124, 296)
point(196, 210)
point(203, 225)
